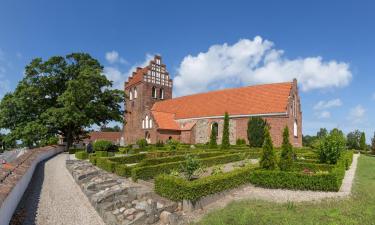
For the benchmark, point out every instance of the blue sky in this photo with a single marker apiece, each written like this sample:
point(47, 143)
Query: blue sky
point(328, 45)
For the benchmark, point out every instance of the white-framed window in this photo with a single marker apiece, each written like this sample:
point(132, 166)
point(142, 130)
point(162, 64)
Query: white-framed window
point(135, 93)
point(143, 124)
point(150, 123)
point(161, 94)
point(295, 129)
point(154, 92)
point(130, 94)
point(146, 122)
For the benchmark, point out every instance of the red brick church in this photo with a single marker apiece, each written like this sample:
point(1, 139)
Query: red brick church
point(153, 114)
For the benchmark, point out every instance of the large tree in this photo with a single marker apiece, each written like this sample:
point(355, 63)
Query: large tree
point(60, 96)
point(255, 131)
point(353, 140)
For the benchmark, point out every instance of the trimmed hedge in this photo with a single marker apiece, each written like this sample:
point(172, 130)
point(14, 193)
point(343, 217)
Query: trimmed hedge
point(92, 158)
point(136, 158)
point(105, 164)
point(300, 166)
point(81, 155)
point(178, 189)
point(74, 150)
point(149, 172)
point(123, 170)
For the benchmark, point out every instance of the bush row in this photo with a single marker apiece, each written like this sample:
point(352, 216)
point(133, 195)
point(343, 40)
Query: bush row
point(300, 166)
point(149, 172)
point(81, 155)
point(178, 189)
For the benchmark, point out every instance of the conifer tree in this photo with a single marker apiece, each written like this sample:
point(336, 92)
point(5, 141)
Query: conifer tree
point(362, 142)
point(268, 159)
point(373, 144)
point(286, 159)
point(225, 141)
point(213, 141)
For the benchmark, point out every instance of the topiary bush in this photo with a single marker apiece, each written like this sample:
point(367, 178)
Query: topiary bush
point(268, 159)
point(213, 141)
point(81, 155)
point(286, 158)
point(173, 145)
point(240, 141)
point(225, 144)
point(102, 145)
point(142, 144)
point(255, 131)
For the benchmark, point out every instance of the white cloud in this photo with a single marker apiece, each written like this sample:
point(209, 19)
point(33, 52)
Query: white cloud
point(357, 114)
point(324, 115)
point(255, 61)
point(328, 104)
point(114, 57)
point(118, 77)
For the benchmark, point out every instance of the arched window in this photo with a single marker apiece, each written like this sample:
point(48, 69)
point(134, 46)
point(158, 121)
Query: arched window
point(215, 127)
point(130, 94)
point(295, 129)
point(150, 123)
point(153, 92)
point(161, 94)
point(146, 122)
point(135, 93)
point(143, 124)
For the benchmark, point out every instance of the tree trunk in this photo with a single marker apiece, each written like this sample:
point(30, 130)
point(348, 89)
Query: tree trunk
point(69, 138)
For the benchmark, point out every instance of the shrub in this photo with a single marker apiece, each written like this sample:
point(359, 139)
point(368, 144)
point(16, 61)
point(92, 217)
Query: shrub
point(92, 158)
point(218, 169)
point(255, 131)
point(102, 145)
point(373, 144)
point(354, 139)
point(173, 145)
point(105, 164)
point(142, 143)
point(123, 170)
point(240, 141)
point(136, 158)
point(101, 154)
point(176, 158)
point(268, 159)
point(213, 141)
point(331, 147)
point(225, 144)
point(190, 165)
point(74, 150)
point(362, 143)
point(159, 144)
point(149, 172)
point(286, 159)
point(178, 189)
point(81, 155)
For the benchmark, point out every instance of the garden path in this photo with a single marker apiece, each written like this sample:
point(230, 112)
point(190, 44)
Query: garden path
point(53, 197)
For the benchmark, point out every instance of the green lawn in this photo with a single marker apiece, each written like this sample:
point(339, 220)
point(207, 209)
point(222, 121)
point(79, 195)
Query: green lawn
point(359, 209)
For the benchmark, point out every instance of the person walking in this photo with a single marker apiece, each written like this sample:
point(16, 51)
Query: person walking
point(89, 148)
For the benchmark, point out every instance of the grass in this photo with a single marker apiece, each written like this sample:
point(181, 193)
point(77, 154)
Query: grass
point(359, 209)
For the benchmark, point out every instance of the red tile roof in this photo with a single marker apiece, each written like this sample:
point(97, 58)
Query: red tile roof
point(165, 120)
point(115, 137)
point(251, 100)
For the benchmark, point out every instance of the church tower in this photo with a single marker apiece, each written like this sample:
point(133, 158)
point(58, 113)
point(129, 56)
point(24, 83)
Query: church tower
point(143, 88)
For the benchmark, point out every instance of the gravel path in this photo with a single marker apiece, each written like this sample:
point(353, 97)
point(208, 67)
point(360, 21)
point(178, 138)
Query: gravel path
point(248, 192)
point(54, 198)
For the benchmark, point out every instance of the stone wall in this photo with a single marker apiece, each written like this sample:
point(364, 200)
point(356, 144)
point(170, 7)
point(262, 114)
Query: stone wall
point(120, 201)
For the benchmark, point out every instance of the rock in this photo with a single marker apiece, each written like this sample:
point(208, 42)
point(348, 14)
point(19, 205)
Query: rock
point(130, 217)
point(130, 211)
point(122, 209)
point(139, 219)
point(149, 201)
point(134, 202)
point(116, 212)
point(141, 205)
point(159, 205)
point(173, 219)
point(164, 217)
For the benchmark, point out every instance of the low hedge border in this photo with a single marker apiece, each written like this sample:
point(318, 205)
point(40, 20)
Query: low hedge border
point(149, 172)
point(179, 189)
point(74, 150)
point(81, 155)
point(300, 166)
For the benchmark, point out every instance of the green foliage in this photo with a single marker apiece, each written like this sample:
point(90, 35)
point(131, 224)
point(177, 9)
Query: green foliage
point(149, 172)
point(268, 159)
point(136, 158)
point(101, 153)
point(178, 189)
point(331, 147)
point(105, 164)
point(218, 169)
point(142, 143)
point(354, 140)
point(159, 144)
point(322, 133)
point(61, 95)
point(362, 142)
point(213, 136)
point(123, 170)
point(225, 144)
point(173, 145)
point(116, 128)
point(81, 155)
point(308, 141)
point(102, 145)
point(176, 158)
point(240, 141)
point(255, 131)
point(373, 145)
point(190, 165)
point(286, 159)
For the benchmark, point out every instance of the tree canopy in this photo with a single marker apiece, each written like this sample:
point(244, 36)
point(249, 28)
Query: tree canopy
point(60, 96)
point(354, 139)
